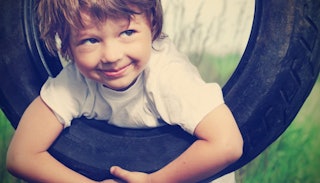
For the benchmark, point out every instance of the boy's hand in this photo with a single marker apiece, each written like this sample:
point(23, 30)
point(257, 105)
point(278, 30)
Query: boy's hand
point(111, 181)
point(129, 177)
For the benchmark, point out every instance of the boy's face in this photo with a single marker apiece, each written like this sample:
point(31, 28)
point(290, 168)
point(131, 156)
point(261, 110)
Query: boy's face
point(113, 52)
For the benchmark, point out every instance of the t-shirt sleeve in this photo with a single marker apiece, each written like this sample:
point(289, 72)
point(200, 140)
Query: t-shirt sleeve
point(183, 98)
point(64, 94)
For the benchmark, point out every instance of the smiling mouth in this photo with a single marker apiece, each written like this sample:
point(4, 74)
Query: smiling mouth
point(114, 73)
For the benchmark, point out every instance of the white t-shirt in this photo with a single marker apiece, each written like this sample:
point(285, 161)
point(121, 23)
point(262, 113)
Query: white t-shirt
point(170, 88)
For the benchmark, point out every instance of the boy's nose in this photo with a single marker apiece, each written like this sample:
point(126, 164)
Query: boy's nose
point(111, 53)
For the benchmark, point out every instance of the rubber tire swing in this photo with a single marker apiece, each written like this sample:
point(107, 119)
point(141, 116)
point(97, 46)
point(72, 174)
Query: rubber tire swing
point(274, 77)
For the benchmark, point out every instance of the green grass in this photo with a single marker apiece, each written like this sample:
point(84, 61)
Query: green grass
point(293, 158)
point(218, 68)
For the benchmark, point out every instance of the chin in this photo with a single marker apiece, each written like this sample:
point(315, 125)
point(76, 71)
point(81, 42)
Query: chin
point(118, 87)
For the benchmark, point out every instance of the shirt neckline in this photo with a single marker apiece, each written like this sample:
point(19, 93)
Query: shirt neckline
point(135, 88)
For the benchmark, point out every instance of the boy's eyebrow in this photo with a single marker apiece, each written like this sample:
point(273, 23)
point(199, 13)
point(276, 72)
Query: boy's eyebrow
point(80, 33)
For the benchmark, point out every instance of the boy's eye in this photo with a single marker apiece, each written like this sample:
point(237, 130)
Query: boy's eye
point(89, 41)
point(128, 32)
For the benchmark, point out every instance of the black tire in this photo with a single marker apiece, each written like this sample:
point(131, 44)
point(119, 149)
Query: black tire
point(24, 62)
point(275, 75)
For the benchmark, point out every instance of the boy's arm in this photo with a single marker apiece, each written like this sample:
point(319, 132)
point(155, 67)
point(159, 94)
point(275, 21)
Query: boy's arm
point(27, 154)
point(219, 144)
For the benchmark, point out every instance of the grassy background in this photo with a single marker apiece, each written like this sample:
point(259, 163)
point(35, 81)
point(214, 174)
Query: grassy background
point(294, 157)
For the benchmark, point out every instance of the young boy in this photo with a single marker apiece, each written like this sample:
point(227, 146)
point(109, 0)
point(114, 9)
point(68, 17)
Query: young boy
point(125, 71)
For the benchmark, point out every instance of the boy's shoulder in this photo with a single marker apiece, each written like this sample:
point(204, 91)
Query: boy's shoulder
point(70, 71)
point(168, 65)
point(69, 77)
point(165, 54)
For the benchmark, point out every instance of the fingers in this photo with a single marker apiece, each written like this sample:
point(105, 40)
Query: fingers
point(120, 173)
point(111, 181)
point(129, 177)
